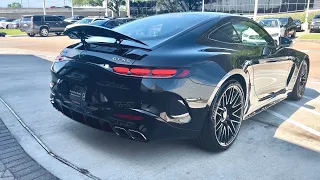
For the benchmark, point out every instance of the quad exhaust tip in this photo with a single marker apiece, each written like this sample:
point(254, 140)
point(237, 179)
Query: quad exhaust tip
point(131, 134)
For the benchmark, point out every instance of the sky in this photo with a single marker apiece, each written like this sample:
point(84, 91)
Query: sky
point(35, 3)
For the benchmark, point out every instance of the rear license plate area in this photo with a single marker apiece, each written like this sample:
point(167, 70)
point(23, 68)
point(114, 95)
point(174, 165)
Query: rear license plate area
point(76, 94)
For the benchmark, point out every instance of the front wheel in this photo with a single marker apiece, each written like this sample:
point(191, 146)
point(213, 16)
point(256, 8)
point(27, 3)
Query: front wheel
point(58, 34)
point(31, 34)
point(225, 117)
point(44, 32)
point(294, 34)
point(299, 87)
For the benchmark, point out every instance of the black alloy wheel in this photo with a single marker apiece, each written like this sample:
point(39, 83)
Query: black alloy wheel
point(224, 122)
point(300, 86)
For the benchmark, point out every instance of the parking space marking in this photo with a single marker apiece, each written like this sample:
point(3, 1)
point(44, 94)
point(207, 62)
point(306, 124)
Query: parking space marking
point(304, 108)
point(302, 126)
point(310, 98)
point(314, 82)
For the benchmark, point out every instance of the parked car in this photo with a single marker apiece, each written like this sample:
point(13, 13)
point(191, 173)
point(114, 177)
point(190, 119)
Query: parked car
point(4, 24)
point(315, 24)
point(3, 18)
point(84, 21)
point(42, 24)
point(272, 26)
point(74, 19)
point(298, 23)
point(290, 28)
point(175, 76)
point(112, 23)
point(14, 24)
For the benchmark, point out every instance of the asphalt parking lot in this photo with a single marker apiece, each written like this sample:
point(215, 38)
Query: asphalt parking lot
point(281, 143)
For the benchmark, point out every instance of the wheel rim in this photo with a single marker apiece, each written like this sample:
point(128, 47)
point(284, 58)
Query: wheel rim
point(303, 78)
point(44, 32)
point(228, 115)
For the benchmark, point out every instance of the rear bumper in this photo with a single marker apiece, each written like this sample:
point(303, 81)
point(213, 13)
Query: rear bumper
point(169, 108)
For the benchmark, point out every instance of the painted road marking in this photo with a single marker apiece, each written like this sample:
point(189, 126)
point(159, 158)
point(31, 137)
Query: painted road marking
point(310, 98)
point(304, 108)
point(302, 126)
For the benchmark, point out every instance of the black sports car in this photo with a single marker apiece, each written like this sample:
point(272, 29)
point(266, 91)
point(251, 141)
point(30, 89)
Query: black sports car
point(175, 76)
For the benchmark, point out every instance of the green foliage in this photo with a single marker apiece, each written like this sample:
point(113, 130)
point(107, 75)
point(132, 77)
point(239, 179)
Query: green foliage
point(311, 36)
point(12, 31)
point(88, 2)
point(14, 5)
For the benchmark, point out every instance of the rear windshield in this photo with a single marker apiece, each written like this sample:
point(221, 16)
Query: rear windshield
point(154, 30)
point(26, 18)
point(85, 21)
point(269, 23)
point(283, 21)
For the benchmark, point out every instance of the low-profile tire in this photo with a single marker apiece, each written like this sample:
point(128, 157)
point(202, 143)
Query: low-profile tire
point(44, 32)
point(224, 118)
point(58, 34)
point(300, 85)
point(294, 34)
point(31, 34)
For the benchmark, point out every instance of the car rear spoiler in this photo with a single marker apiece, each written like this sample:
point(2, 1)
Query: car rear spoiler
point(84, 32)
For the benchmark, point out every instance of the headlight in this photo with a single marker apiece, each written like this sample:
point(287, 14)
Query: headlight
point(275, 34)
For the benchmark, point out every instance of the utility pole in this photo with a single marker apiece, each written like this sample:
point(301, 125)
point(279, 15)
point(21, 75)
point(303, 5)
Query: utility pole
point(307, 14)
point(128, 8)
point(44, 6)
point(255, 9)
point(202, 6)
point(71, 7)
point(106, 14)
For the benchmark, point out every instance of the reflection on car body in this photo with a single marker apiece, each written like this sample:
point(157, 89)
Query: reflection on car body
point(178, 81)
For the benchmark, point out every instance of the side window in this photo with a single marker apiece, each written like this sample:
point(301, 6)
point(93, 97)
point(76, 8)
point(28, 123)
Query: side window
point(56, 19)
point(37, 18)
point(225, 33)
point(252, 34)
point(111, 23)
point(49, 18)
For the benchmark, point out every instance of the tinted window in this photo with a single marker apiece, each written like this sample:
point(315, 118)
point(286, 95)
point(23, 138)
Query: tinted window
point(283, 21)
point(85, 21)
point(37, 18)
point(56, 19)
point(225, 33)
point(49, 18)
point(97, 20)
point(317, 16)
point(269, 23)
point(252, 34)
point(111, 23)
point(26, 18)
point(160, 26)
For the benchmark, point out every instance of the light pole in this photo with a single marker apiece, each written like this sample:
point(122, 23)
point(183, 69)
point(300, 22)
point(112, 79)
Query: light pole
point(255, 9)
point(202, 5)
point(106, 14)
point(71, 7)
point(128, 8)
point(44, 6)
point(307, 14)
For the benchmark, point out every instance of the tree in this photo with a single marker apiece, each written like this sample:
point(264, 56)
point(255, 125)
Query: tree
point(181, 5)
point(88, 2)
point(114, 5)
point(14, 5)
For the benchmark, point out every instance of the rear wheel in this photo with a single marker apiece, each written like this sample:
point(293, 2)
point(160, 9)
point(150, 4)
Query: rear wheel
point(44, 32)
point(31, 34)
point(294, 34)
point(224, 120)
point(299, 87)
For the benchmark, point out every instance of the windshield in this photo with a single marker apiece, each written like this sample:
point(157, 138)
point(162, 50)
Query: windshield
point(283, 21)
point(85, 21)
point(269, 23)
point(156, 29)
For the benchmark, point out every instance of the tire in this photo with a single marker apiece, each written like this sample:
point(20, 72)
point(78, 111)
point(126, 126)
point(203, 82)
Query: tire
point(294, 34)
point(311, 31)
point(44, 32)
point(7, 27)
point(224, 120)
point(31, 35)
point(58, 34)
point(300, 85)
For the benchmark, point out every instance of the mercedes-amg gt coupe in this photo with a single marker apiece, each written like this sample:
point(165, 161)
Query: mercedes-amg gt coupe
point(175, 76)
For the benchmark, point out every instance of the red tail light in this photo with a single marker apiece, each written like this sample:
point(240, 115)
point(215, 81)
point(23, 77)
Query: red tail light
point(140, 72)
point(156, 73)
point(164, 72)
point(59, 58)
point(121, 70)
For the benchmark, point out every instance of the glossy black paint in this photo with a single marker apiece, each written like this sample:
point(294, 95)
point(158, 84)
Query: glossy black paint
point(171, 108)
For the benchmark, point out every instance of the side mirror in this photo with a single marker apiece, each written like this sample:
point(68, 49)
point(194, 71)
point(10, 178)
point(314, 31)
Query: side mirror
point(285, 42)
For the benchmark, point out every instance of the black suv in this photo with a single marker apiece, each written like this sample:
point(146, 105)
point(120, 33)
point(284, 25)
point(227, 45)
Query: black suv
point(289, 25)
point(42, 24)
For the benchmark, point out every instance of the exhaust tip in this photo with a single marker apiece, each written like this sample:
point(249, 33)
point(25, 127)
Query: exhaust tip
point(121, 132)
point(136, 135)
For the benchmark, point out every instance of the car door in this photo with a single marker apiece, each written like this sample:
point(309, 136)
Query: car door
point(58, 24)
point(51, 21)
point(270, 64)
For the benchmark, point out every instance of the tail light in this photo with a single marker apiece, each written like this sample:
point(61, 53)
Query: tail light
point(62, 58)
point(152, 72)
point(127, 116)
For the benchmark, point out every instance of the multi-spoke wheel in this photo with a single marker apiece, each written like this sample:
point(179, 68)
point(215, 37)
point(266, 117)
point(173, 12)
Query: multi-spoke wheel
point(44, 32)
point(224, 121)
point(299, 87)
